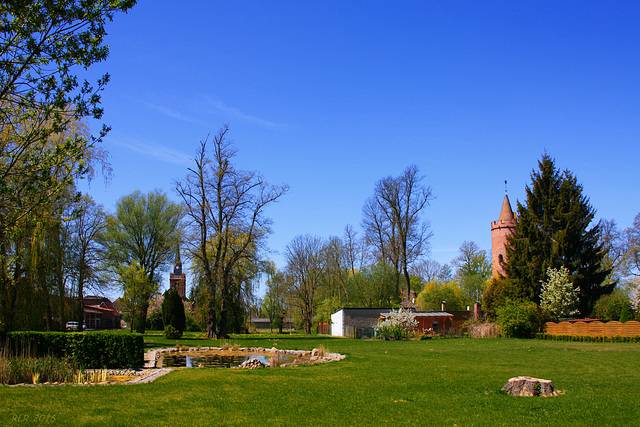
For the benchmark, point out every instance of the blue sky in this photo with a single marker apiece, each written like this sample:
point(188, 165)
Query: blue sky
point(331, 96)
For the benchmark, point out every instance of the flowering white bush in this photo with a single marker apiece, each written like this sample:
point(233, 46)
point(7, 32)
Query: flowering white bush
point(397, 325)
point(558, 295)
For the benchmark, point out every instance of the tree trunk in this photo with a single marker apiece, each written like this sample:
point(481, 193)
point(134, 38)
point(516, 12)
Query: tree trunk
point(141, 321)
point(407, 279)
point(211, 320)
point(223, 325)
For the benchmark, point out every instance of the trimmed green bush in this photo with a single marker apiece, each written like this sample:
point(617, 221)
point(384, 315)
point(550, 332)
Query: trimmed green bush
point(520, 319)
point(391, 332)
point(615, 306)
point(88, 349)
point(154, 320)
point(172, 333)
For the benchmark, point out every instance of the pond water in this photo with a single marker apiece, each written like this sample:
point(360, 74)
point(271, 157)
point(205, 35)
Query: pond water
point(196, 359)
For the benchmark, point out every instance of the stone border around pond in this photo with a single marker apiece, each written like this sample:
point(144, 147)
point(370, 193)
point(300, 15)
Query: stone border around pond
point(315, 356)
point(150, 371)
point(139, 376)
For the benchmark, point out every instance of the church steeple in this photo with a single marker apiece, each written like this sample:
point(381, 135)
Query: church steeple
point(177, 264)
point(177, 279)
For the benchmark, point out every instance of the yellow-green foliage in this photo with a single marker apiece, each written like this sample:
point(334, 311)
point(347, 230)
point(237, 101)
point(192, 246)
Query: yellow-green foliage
point(434, 292)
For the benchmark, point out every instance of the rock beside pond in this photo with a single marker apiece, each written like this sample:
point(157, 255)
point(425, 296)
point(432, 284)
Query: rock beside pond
point(252, 364)
point(127, 372)
point(527, 386)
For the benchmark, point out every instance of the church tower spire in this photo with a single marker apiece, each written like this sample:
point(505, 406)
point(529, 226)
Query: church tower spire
point(500, 230)
point(177, 279)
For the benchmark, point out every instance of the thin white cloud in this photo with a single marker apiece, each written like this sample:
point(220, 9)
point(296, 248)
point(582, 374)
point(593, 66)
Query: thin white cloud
point(234, 112)
point(160, 152)
point(218, 106)
point(170, 112)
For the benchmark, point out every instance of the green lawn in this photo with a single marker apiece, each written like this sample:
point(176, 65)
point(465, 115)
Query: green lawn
point(436, 382)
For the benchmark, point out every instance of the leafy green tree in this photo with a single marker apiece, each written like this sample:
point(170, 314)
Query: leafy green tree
point(41, 46)
point(554, 230)
point(276, 300)
point(173, 310)
point(473, 270)
point(615, 306)
point(499, 291)
point(374, 286)
point(135, 285)
point(559, 297)
point(434, 292)
point(143, 230)
point(44, 146)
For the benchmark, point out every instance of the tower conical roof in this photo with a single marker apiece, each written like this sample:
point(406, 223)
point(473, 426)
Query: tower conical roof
point(506, 214)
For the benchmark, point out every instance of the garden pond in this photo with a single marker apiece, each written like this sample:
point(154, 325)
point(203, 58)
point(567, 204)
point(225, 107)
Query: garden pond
point(213, 359)
point(216, 357)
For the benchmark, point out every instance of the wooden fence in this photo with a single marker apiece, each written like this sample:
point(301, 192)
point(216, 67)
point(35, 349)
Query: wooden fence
point(594, 329)
point(324, 328)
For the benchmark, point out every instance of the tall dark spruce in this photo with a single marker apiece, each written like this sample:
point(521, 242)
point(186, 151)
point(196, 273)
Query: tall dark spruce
point(553, 230)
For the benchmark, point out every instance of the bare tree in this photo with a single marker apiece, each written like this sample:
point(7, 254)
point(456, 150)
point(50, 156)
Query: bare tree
point(304, 272)
point(392, 223)
point(613, 241)
point(225, 211)
point(335, 259)
point(354, 249)
point(632, 249)
point(429, 270)
point(87, 223)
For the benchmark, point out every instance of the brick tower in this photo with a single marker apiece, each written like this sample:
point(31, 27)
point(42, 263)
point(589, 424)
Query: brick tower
point(177, 279)
point(500, 229)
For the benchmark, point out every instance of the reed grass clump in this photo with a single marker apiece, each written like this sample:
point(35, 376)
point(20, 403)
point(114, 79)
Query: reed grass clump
point(274, 361)
point(25, 370)
point(484, 330)
point(322, 351)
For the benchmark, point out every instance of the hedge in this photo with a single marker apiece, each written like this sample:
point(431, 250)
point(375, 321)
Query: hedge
point(88, 349)
point(588, 338)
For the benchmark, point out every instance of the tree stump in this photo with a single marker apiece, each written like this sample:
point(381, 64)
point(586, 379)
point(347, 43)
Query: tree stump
point(527, 386)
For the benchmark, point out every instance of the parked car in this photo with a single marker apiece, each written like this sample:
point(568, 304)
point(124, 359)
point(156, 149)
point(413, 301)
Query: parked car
point(74, 326)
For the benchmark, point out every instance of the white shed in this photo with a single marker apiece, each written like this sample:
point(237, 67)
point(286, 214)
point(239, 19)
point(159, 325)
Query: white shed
point(356, 322)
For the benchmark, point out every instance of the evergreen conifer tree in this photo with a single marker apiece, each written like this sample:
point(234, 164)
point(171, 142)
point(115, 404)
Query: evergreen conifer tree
point(173, 310)
point(552, 232)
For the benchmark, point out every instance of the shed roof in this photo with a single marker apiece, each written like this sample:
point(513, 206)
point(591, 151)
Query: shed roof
point(426, 314)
